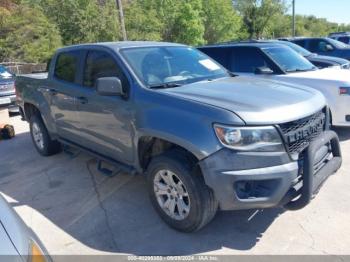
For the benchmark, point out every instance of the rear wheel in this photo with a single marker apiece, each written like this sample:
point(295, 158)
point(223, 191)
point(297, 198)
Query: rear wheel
point(41, 138)
point(179, 196)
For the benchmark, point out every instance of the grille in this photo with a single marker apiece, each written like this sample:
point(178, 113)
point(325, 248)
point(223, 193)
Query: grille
point(298, 134)
point(6, 87)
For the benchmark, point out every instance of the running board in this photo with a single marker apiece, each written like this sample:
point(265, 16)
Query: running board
point(101, 158)
point(106, 171)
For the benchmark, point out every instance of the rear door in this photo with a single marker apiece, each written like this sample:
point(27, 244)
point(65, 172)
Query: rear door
point(105, 121)
point(62, 91)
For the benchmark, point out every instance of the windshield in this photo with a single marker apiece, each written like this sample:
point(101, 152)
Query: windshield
point(337, 43)
point(296, 48)
point(4, 73)
point(157, 66)
point(288, 59)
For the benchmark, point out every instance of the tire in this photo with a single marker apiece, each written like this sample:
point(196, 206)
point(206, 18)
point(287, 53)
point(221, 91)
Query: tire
point(200, 203)
point(41, 138)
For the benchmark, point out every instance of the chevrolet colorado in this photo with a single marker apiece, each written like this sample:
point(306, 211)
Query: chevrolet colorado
point(206, 139)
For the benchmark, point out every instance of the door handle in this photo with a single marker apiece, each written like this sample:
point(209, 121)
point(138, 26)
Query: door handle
point(51, 91)
point(82, 100)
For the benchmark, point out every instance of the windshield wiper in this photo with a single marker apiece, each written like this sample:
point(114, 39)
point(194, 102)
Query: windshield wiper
point(164, 85)
point(231, 74)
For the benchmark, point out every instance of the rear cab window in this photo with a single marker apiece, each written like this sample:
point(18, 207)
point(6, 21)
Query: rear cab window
point(344, 39)
point(301, 43)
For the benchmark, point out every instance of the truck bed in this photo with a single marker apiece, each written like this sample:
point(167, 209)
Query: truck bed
point(43, 75)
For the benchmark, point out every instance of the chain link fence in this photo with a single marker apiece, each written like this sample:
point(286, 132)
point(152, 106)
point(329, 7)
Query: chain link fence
point(24, 68)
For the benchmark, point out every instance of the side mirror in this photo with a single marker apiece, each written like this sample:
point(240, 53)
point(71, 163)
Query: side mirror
point(329, 47)
point(109, 86)
point(263, 71)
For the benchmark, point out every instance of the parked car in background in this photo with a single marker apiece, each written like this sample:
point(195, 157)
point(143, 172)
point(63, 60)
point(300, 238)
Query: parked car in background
point(323, 46)
point(278, 62)
point(17, 241)
point(341, 36)
point(206, 139)
point(7, 90)
point(318, 60)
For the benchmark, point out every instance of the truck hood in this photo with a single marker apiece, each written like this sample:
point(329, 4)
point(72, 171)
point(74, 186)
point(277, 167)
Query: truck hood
point(333, 74)
point(330, 59)
point(255, 101)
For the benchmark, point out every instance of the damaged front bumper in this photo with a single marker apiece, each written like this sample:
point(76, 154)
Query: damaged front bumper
point(247, 180)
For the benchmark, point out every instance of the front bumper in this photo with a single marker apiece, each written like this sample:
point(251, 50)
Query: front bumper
point(247, 180)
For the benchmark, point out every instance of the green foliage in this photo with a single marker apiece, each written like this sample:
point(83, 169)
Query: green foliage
point(221, 21)
point(82, 21)
point(27, 35)
point(142, 22)
point(258, 14)
point(30, 30)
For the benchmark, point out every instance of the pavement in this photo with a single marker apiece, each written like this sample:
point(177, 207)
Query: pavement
point(76, 210)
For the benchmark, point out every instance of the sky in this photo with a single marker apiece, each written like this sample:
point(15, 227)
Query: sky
point(334, 10)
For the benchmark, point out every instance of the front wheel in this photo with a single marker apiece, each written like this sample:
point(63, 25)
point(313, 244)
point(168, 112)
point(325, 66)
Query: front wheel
point(180, 197)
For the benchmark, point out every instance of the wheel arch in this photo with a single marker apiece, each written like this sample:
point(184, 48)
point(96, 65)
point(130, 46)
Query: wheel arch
point(151, 146)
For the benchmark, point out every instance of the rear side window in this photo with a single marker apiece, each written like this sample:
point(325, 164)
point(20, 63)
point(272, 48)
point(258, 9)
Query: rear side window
point(344, 39)
point(246, 60)
point(301, 43)
point(101, 64)
point(66, 66)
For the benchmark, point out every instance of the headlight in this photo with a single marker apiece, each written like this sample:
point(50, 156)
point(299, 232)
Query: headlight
point(260, 139)
point(36, 254)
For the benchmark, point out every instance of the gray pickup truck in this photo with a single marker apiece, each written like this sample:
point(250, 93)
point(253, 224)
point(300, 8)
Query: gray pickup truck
point(206, 139)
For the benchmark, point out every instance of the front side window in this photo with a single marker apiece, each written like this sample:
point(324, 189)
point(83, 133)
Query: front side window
point(288, 59)
point(247, 60)
point(66, 66)
point(163, 65)
point(318, 46)
point(100, 64)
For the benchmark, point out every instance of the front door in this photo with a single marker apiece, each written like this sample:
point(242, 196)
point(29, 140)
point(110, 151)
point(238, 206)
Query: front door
point(105, 121)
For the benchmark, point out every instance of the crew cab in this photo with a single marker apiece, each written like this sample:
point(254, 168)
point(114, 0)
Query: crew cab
point(321, 61)
point(205, 139)
point(323, 46)
point(274, 61)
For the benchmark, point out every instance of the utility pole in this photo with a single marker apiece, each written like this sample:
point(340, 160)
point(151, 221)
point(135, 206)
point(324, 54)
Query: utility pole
point(293, 26)
point(121, 19)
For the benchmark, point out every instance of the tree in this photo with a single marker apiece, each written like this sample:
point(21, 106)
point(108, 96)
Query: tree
point(221, 21)
point(167, 20)
point(257, 14)
point(27, 35)
point(188, 26)
point(142, 22)
point(82, 21)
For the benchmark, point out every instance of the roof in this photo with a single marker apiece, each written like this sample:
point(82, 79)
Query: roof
point(121, 44)
point(250, 43)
